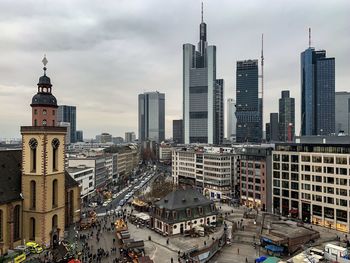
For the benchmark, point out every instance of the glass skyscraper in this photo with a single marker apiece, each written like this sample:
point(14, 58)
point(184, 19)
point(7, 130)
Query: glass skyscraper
point(248, 110)
point(202, 93)
point(286, 116)
point(67, 113)
point(152, 116)
point(317, 93)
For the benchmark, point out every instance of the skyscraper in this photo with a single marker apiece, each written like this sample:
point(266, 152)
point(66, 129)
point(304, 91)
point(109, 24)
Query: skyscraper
point(178, 131)
point(68, 114)
point(274, 130)
point(342, 112)
point(152, 116)
point(231, 119)
point(130, 137)
point(80, 136)
point(287, 116)
point(202, 93)
point(248, 110)
point(317, 93)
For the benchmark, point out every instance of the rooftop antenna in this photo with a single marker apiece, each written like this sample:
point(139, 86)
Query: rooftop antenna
point(262, 81)
point(202, 12)
point(309, 37)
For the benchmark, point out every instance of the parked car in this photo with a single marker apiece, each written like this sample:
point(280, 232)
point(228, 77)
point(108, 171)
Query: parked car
point(24, 249)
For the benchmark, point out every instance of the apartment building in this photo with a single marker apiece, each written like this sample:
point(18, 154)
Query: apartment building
point(209, 169)
point(85, 176)
point(311, 182)
point(255, 177)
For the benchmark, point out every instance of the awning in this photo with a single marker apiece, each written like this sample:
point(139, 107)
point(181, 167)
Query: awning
point(274, 248)
point(261, 259)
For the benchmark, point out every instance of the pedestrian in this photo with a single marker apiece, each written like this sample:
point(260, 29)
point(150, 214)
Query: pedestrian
point(167, 241)
point(246, 260)
point(238, 251)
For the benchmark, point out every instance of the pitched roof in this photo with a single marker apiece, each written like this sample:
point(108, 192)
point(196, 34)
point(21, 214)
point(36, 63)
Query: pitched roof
point(183, 198)
point(69, 181)
point(10, 175)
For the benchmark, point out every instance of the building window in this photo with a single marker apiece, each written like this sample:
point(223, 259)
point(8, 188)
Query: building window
point(54, 222)
point(44, 122)
point(16, 223)
point(1, 225)
point(33, 143)
point(35, 111)
point(44, 112)
point(54, 193)
point(55, 144)
point(53, 112)
point(32, 194)
point(32, 229)
point(35, 122)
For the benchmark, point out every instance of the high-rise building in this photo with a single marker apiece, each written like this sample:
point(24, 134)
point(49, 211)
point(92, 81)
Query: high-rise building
point(248, 109)
point(68, 114)
point(104, 137)
point(67, 125)
point(231, 119)
point(273, 133)
point(202, 117)
point(79, 136)
point(130, 137)
point(152, 116)
point(342, 112)
point(317, 93)
point(286, 117)
point(178, 131)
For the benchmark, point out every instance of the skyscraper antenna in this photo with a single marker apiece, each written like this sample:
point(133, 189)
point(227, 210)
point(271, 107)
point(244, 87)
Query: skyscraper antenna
point(262, 81)
point(202, 12)
point(309, 36)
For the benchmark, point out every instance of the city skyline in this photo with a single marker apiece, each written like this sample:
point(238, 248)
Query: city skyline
point(93, 64)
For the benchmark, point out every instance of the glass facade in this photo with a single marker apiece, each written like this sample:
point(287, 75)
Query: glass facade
point(249, 126)
point(286, 116)
point(68, 114)
point(317, 93)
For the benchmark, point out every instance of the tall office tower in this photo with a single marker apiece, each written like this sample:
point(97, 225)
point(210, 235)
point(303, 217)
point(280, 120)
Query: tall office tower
point(287, 117)
point(152, 116)
point(342, 112)
point(79, 136)
point(248, 109)
point(219, 112)
point(317, 93)
point(268, 131)
point(201, 92)
point(68, 114)
point(231, 119)
point(178, 131)
point(274, 130)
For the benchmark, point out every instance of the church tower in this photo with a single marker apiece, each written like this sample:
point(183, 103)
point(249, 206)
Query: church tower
point(43, 178)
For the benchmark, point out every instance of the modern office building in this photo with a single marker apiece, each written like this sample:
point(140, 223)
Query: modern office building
point(79, 136)
point(255, 177)
point(202, 93)
point(178, 131)
point(317, 93)
point(130, 137)
point(211, 170)
point(117, 140)
point(67, 113)
point(248, 113)
point(67, 125)
point(231, 119)
point(273, 133)
point(104, 138)
point(152, 116)
point(286, 117)
point(342, 112)
point(85, 176)
point(310, 182)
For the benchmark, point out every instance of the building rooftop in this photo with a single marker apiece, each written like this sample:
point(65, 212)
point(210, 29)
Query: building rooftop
point(78, 169)
point(183, 198)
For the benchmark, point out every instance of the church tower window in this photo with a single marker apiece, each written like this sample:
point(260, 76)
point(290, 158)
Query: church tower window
point(54, 193)
point(55, 144)
point(33, 143)
point(32, 194)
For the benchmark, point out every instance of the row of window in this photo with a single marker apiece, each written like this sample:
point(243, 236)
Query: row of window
point(33, 194)
point(44, 112)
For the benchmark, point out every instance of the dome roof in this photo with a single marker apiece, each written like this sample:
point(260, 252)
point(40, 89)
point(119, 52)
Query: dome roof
point(44, 80)
point(46, 99)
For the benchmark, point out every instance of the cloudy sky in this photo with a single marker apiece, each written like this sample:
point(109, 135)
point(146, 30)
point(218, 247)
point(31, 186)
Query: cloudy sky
point(102, 54)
